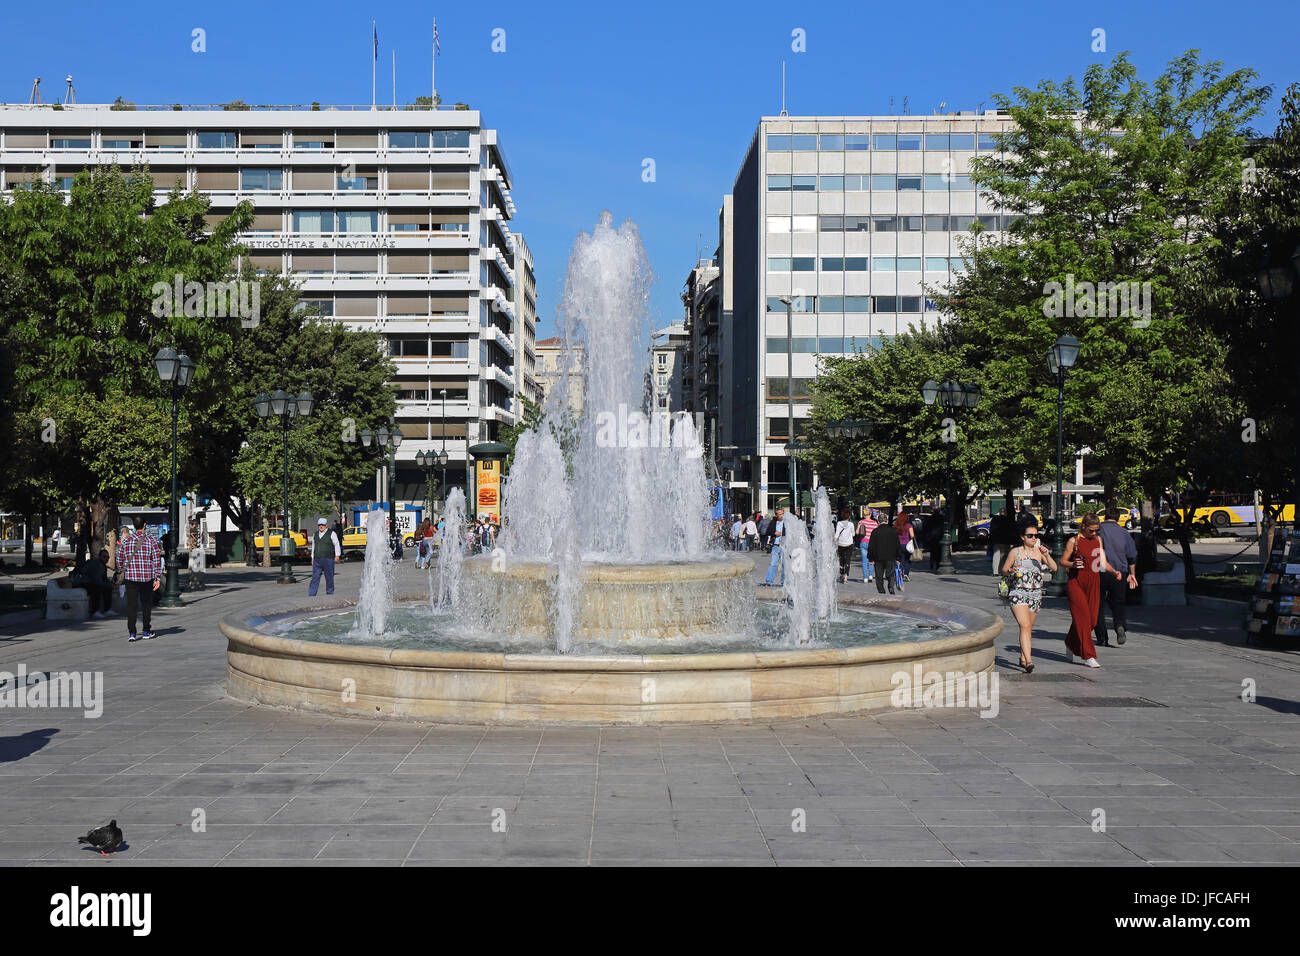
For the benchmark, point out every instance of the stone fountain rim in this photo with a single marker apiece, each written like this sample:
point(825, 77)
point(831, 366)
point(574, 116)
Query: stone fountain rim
point(241, 629)
point(675, 571)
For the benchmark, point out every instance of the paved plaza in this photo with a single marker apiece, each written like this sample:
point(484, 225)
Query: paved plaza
point(1159, 740)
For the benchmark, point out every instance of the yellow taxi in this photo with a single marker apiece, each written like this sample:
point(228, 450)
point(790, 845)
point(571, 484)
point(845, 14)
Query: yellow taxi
point(299, 539)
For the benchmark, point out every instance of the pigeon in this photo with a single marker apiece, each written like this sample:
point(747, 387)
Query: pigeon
point(105, 839)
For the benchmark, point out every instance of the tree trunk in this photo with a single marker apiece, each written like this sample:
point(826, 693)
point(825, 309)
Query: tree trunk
point(45, 539)
point(266, 541)
point(28, 544)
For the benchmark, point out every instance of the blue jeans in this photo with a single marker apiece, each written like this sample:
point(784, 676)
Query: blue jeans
point(774, 564)
point(866, 565)
point(321, 566)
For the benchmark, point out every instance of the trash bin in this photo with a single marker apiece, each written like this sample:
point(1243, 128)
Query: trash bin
point(227, 546)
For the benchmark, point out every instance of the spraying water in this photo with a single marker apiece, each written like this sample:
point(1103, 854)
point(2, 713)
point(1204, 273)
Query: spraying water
point(800, 585)
point(825, 556)
point(451, 548)
point(376, 597)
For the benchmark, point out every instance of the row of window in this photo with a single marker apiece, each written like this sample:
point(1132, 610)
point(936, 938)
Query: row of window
point(422, 346)
point(937, 223)
point(236, 139)
point(859, 264)
point(878, 182)
point(850, 303)
point(851, 142)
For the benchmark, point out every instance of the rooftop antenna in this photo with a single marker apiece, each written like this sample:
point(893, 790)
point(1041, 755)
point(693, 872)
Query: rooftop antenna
point(891, 106)
point(942, 104)
point(905, 113)
point(35, 97)
point(71, 95)
point(783, 112)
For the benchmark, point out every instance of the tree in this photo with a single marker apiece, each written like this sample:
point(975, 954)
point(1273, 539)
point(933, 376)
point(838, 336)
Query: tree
point(79, 321)
point(1114, 180)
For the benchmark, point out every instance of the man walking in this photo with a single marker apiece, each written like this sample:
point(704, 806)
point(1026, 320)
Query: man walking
point(776, 533)
point(866, 526)
point(737, 529)
point(1120, 552)
point(140, 559)
point(325, 550)
point(883, 550)
point(1002, 537)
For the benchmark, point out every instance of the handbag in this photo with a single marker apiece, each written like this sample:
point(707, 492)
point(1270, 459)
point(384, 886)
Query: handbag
point(911, 547)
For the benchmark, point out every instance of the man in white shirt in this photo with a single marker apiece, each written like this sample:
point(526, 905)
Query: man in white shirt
point(749, 535)
point(325, 550)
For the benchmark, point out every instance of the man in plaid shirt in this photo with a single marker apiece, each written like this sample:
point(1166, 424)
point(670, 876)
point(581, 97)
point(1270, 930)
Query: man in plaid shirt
point(140, 559)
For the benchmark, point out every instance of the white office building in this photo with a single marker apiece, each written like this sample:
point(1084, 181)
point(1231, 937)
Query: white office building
point(847, 217)
point(391, 220)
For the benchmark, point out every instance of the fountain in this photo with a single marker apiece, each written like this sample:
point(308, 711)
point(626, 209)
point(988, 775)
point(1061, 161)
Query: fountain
point(603, 601)
point(376, 578)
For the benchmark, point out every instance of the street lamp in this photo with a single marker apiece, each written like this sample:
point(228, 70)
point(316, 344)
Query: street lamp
point(1060, 359)
point(951, 396)
point(430, 460)
point(286, 407)
point(386, 443)
point(789, 397)
point(175, 369)
point(850, 429)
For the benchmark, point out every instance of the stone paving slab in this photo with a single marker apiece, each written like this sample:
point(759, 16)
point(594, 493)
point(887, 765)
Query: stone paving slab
point(1204, 779)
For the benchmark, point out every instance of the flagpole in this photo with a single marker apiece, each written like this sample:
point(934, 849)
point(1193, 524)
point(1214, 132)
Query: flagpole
point(374, 58)
point(433, 68)
point(394, 79)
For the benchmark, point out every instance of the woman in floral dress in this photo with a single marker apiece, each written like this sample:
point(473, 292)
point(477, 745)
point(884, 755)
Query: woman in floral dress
point(1024, 566)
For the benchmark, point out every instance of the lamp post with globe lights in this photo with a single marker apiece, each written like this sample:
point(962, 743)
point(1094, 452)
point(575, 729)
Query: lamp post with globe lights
point(175, 369)
point(951, 396)
point(286, 407)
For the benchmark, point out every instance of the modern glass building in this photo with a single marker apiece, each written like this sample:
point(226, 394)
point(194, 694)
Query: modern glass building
point(850, 218)
point(391, 220)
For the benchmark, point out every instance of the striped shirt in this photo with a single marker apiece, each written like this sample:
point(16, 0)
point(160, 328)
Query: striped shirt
point(866, 526)
point(139, 557)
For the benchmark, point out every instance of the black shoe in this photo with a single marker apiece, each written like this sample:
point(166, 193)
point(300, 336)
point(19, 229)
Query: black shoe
point(1120, 636)
point(1101, 643)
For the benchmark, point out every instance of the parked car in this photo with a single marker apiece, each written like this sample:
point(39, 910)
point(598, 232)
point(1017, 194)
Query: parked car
point(299, 540)
point(354, 536)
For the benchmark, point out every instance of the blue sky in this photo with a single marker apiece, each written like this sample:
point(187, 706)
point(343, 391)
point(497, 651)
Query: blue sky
point(584, 92)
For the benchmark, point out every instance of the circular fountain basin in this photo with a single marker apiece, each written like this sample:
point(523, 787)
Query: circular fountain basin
point(616, 602)
point(472, 687)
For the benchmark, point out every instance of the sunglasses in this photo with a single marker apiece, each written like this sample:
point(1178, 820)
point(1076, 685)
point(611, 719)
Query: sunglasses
point(1031, 536)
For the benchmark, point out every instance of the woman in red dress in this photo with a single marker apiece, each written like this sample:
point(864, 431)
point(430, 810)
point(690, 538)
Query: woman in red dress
point(1086, 559)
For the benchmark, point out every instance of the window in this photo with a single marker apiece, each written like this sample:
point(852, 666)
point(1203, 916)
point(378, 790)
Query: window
point(909, 183)
point(909, 263)
point(831, 265)
point(883, 224)
point(987, 142)
point(803, 223)
point(779, 141)
point(857, 223)
point(351, 220)
point(857, 142)
point(884, 303)
point(252, 179)
point(884, 141)
point(937, 181)
point(663, 359)
point(401, 345)
point(936, 223)
point(832, 303)
point(831, 224)
point(855, 264)
point(803, 183)
point(882, 264)
point(960, 223)
point(962, 141)
point(957, 263)
point(909, 141)
point(322, 306)
point(936, 140)
point(408, 140)
point(313, 221)
point(778, 184)
point(805, 345)
point(936, 264)
point(70, 143)
point(662, 378)
point(798, 303)
point(122, 143)
point(778, 223)
point(826, 345)
point(856, 184)
point(801, 264)
point(210, 140)
point(886, 182)
point(830, 183)
point(857, 303)
point(910, 223)
point(778, 265)
point(803, 141)
point(832, 141)
point(776, 346)
point(988, 222)
point(909, 303)
point(961, 182)
point(450, 139)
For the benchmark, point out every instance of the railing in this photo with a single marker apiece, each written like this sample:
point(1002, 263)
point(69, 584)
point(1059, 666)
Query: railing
point(242, 108)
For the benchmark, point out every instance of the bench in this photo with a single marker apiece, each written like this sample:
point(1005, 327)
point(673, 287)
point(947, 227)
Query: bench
point(1165, 587)
point(72, 603)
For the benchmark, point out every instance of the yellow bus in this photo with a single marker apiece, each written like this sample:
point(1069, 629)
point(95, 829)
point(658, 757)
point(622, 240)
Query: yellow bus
point(1224, 510)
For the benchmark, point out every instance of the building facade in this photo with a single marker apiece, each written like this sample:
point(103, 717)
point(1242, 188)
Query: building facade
point(851, 219)
point(395, 221)
point(668, 353)
point(550, 370)
point(526, 384)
